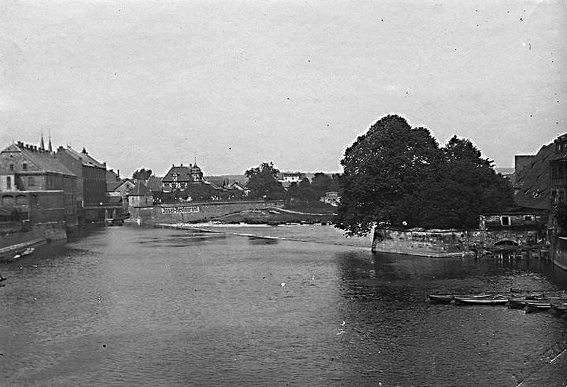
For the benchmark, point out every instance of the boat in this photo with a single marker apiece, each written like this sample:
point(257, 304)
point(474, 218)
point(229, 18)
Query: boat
point(484, 299)
point(23, 253)
point(559, 308)
point(516, 302)
point(537, 306)
point(519, 301)
point(440, 298)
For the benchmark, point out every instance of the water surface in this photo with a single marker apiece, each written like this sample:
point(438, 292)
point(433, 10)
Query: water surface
point(128, 306)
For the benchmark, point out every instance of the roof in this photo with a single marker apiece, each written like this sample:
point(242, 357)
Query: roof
point(532, 181)
point(184, 173)
point(44, 160)
point(115, 185)
point(87, 160)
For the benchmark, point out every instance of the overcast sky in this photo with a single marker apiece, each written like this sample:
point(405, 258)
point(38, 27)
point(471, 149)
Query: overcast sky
point(236, 83)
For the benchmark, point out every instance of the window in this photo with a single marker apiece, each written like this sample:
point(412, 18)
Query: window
point(11, 167)
point(25, 166)
point(8, 182)
point(529, 218)
point(505, 220)
point(31, 181)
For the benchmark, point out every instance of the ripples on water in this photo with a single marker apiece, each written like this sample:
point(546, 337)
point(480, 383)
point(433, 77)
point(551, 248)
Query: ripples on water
point(157, 307)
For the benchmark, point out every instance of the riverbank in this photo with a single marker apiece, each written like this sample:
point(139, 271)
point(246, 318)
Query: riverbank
point(14, 243)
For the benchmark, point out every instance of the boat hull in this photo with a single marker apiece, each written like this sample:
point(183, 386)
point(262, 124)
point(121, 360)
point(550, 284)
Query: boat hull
point(481, 300)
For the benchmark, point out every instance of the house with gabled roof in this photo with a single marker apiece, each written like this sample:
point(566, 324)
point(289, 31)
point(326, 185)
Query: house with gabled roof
point(179, 177)
point(25, 167)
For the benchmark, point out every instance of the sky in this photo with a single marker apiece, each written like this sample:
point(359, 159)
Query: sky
point(234, 83)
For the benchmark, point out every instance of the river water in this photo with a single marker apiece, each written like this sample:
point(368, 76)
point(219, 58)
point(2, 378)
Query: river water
point(129, 306)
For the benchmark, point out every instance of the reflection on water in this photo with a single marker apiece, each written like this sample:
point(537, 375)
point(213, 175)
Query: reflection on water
point(136, 306)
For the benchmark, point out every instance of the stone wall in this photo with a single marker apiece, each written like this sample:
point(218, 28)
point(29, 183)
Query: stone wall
point(559, 253)
point(522, 238)
point(193, 212)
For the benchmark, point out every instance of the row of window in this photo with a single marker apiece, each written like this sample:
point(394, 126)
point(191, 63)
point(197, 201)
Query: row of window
point(31, 182)
point(24, 166)
point(507, 220)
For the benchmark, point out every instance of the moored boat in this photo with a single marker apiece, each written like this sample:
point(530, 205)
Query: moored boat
point(537, 306)
point(516, 302)
point(485, 299)
point(559, 308)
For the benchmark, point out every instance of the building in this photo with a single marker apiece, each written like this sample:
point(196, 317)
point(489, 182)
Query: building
point(91, 182)
point(332, 198)
point(290, 177)
point(26, 167)
point(180, 177)
point(532, 187)
point(558, 171)
point(140, 196)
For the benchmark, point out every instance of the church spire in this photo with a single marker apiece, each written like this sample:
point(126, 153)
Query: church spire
point(41, 143)
point(49, 147)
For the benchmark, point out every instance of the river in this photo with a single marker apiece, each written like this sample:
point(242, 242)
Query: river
point(131, 306)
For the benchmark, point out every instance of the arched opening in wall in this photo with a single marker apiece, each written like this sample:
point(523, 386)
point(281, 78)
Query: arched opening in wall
point(506, 242)
point(7, 200)
point(21, 200)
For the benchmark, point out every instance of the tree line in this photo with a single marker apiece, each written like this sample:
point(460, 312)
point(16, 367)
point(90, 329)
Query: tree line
point(263, 183)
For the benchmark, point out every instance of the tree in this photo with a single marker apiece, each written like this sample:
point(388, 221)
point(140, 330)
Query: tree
point(142, 174)
point(382, 169)
point(263, 183)
point(321, 183)
point(398, 175)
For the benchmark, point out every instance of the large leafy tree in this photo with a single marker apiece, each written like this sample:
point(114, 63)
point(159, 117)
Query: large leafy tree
point(472, 187)
point(263, 183)
point(398, 175)
point(382, 170)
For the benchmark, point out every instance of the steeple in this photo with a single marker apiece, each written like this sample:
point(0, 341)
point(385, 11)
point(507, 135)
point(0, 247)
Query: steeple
point(41, 143)
point(49, 147)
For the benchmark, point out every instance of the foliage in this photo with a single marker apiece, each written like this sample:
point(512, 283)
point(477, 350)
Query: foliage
point(398, 175)
point(142, 174)
point(263, 183)
point(308, 193)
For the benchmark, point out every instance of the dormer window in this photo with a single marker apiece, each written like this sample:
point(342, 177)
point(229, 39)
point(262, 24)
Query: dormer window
point(11, 167)
point(25, 166)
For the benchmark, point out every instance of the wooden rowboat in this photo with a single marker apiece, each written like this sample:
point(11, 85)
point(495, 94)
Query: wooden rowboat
point(559, 309)
point(517, 302)
point(481, 300)
point(537, 306)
